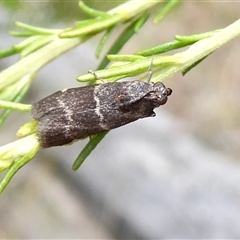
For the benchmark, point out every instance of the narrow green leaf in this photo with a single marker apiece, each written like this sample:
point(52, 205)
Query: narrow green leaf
point(4, 115)
point(179, 42)
point(40, 31)
point(140, 22)
point(15, 106)
point(90, 146)
point(84, 23)
point(7, 52)
point(100, 25)
point(196, 37)
point(27, 129)
point(16, 97)
point(166, 9)
point(26, 42)
point(124, 58)
point(103, 41)
point(21, 34)
point(166, 47)
point(123, 38)
point(90, 11)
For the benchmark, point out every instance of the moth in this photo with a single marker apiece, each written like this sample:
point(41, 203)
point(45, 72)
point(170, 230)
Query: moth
point(77, 113)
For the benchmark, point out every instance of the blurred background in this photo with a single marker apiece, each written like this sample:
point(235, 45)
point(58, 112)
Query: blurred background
point(173, 176)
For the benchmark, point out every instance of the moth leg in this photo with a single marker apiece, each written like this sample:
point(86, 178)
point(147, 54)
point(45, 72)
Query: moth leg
point(96, 76)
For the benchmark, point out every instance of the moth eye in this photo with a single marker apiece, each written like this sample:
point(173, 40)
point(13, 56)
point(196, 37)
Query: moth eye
point(164, 93)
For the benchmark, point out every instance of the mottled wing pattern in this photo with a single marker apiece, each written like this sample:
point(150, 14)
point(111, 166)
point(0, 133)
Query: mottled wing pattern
point(59, 102)
point(124, 93)
point(56, 130)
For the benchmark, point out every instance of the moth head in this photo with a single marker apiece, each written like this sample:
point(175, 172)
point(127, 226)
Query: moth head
point(160, 94)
